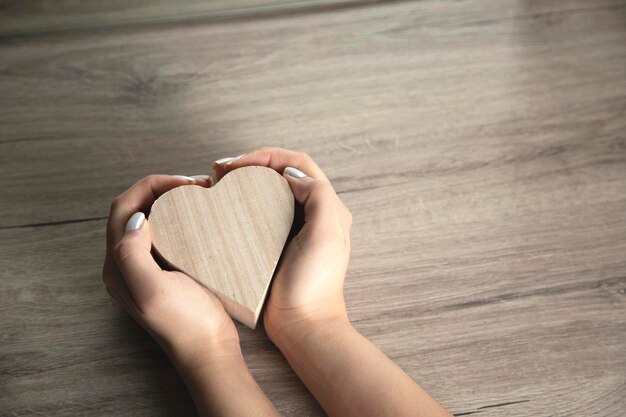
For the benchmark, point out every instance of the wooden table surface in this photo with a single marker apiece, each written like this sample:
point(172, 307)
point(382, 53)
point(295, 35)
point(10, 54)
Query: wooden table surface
point(481, 146)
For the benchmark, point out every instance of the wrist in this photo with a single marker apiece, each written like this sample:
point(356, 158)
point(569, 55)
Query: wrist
point(196, 354)
point(304, 326)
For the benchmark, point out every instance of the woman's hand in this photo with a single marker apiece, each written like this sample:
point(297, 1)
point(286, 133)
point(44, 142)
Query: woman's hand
point(306, 315)
point(308, 284)
point(182, 315)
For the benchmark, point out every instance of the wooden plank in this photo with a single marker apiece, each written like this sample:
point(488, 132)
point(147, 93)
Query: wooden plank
point(37, 17)
point(479, 145)
point(64, 340)
point(361, 82)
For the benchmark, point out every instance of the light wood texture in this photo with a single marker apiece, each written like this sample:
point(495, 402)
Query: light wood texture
point(229, 237)
point(37, 17)
point(480, 146)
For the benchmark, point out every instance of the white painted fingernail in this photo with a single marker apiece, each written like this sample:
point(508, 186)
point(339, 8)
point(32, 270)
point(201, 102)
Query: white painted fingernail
point(201, 177)
point(234, 159)
point(223, 160)
point(293, 172)
point(184, 177)
point(135, 222)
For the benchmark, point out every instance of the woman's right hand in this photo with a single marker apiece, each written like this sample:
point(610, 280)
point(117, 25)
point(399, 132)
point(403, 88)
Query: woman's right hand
point(308, 284)
point(181, 314)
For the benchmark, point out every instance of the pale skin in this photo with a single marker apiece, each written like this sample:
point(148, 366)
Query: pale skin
point(305, 315)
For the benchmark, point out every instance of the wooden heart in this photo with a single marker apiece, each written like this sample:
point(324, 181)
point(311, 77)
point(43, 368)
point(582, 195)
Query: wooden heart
point(228, 237)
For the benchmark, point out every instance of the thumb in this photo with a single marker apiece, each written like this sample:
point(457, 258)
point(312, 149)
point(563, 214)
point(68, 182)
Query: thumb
point(321, 204)
point(133, 257)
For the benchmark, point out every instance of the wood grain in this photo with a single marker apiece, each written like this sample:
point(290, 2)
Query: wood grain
point(480, 146)
point(37, 17)
point(229, 237)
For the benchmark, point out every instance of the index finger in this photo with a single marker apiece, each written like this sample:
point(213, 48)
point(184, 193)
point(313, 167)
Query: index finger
point(138, 197)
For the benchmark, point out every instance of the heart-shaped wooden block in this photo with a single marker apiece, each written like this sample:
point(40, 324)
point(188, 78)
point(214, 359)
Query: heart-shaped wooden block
point(228, 237)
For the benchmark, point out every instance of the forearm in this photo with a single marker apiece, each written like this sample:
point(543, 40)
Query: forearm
point(349, 376)
point(221, 384)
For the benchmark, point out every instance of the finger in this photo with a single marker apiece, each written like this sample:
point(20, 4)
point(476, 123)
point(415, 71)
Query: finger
point(218, 166)
point(134, 260)
point(116, 287)
point(203, 180)
point(277, 159)
point(322, 207)
point(140, 197)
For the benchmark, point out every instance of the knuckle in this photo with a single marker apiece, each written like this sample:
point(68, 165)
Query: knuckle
point(117, 203)
point(323, 191)
point(304, 156)
point(106, 280)
point(263, 150)
point(106, 275)
point(121, 251)
point(109, 273)
point(109, 283)
point(112, 293)
point(149, 180)
point(148, 183)
point(109, 289)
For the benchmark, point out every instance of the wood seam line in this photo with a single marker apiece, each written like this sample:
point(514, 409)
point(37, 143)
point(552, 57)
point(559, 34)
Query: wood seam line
point(233, 15)
point(55, 223)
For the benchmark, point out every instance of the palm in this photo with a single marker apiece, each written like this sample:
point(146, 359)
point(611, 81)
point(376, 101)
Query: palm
point(303, 283)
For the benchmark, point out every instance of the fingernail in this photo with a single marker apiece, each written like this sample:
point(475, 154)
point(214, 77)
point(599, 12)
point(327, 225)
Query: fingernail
point(135, 222)
point(184, 177)
point(293, 172)
point(228, 163)
point(201, 177)
point(223, 160)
